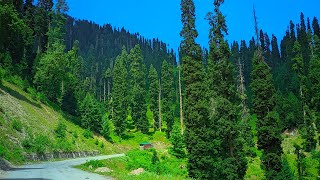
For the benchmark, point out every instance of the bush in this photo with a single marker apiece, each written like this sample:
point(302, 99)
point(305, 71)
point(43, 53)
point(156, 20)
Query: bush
point(105, 131)
point(101, 145)
point(94, 163)
point(61, 130)
point(27, 144)
point(18, 81)
point(75, 135)
point(2, 151)
point(96, 142)
point(32, 92)
point(17, 125)
point(41, 143)
point(2, 73)
point(87, 134)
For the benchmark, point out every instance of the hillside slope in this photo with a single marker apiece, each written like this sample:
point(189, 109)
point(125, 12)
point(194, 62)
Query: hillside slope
point(27, 125)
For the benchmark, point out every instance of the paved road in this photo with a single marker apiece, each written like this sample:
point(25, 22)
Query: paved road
point(60, 170)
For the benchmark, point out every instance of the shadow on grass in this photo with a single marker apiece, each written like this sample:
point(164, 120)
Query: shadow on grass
point(18, 95)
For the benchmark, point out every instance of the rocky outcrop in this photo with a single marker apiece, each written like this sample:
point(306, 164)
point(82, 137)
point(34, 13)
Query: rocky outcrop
point(5, 165)
point(59, 155)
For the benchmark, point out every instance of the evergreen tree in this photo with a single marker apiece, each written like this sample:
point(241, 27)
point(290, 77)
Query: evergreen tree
point(195, 106)
point(105, 130)
point(139, 108)
point(167, 95)
point(119, 101)
point(154, 93)
point(91, 113)
point(42, 21)
point(227, 156)
point(268, 127)
point(177, 142)
point(299, 68)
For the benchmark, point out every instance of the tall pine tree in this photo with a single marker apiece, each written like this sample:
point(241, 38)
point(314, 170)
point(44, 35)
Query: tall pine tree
point(195, 105)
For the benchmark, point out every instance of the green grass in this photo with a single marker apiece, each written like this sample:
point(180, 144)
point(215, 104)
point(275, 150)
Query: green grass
point(26, 123)
point(168, 166)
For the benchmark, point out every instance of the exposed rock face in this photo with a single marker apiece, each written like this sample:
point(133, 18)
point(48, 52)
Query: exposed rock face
point(103, 170)
point(5, 165)
point(137, 171)
point(59, 155)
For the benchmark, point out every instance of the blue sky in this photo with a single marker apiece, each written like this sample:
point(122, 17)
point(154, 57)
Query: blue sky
point(161, 18)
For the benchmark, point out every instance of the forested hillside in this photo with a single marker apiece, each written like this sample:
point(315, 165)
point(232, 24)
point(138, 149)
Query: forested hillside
point(237, 110)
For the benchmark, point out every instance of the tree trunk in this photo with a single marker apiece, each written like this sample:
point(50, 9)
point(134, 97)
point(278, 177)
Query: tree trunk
point(180, 93)
point(159, 101)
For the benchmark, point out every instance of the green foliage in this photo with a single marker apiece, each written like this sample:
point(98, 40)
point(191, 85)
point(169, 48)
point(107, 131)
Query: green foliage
point(167, 85)
point(94, 163)
point(155, 158)
point(138, 91)
point(105, 131)
point(88, 134)
point(2, 73)
point(91, 113)
point(61, 130)
point(18, 81)
point(2, 151)
point(51, 72)
point(17, 125)
point(154, 95)
point(41, 144)
point(178, 144)
point(119, 93)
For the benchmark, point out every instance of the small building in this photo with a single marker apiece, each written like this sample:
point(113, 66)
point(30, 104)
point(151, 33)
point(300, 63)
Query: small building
point(145, 145)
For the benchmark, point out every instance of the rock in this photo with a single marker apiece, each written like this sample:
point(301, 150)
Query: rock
point(5, 165)
point(137, 171)
point(103, 170)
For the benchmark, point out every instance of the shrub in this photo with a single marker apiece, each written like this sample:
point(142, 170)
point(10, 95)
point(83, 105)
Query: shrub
point(101, 145)
point(96, 142)
point(94, 163)
point(17, 125)
point(32, 92)
point(41, 143)
point(178, 143)
point(18, 81)
point(75, 135)
point(2, 73)
point(61, 130)
point(2, 151)
point(105, 131)
point(27, 144)
point(87, 134)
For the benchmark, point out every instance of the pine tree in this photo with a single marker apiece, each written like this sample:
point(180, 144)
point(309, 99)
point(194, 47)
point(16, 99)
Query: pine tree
point(167, 95)
point(228, 156)
point(269, 139)
point(299, 68)
point(139, 107)
point(195, 106)
point(177, 142)
point(119, 101)
point(154, 93)
point(91, 113)
point(314, 77)
point(105, 130)
point(42, 21)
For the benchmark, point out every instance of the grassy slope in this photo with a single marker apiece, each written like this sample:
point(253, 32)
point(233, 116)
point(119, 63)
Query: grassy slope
point(37, 119)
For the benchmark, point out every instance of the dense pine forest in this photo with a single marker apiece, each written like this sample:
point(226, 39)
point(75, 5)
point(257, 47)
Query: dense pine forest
point(222, 107)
